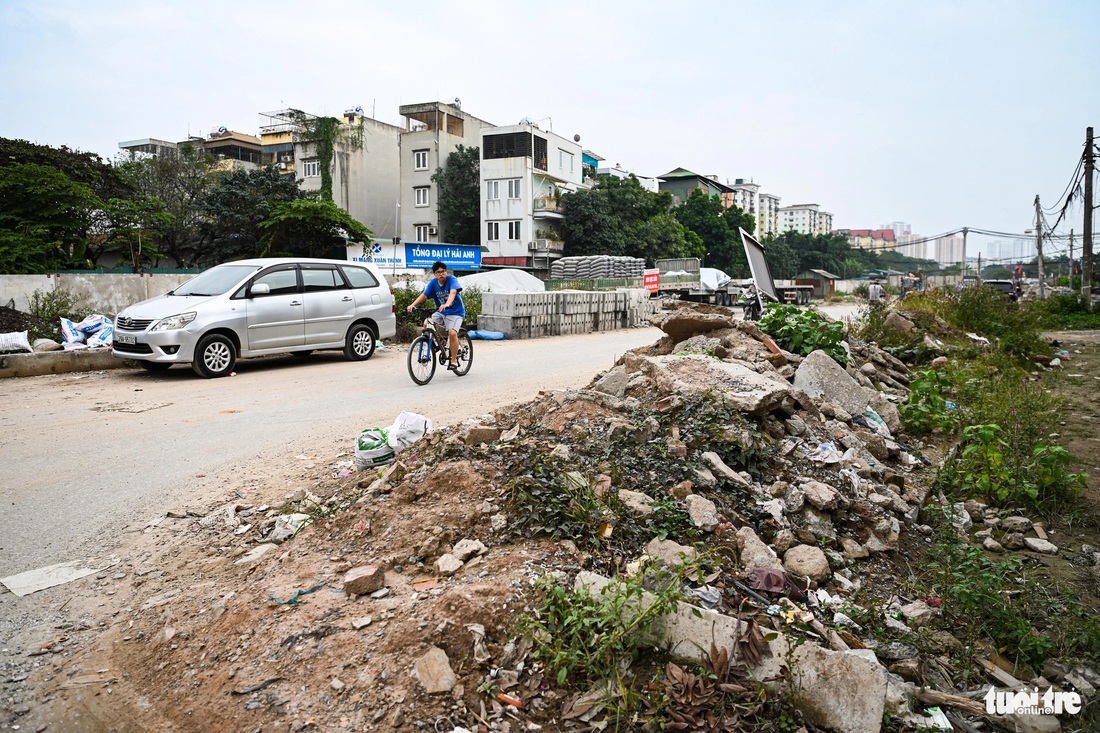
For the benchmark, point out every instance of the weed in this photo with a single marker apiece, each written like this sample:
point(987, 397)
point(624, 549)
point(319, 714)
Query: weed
point(803, 331)
point(48, 308)
point(927, 408)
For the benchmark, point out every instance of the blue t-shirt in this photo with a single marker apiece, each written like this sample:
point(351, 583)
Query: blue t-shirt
point(441, 293)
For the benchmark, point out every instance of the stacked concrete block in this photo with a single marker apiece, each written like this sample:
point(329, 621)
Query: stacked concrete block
point(560, 312)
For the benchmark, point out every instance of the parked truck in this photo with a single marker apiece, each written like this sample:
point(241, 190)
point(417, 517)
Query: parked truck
point(685, 279)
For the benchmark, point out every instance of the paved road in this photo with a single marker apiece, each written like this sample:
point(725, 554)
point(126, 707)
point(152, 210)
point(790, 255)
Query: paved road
point(85, 455)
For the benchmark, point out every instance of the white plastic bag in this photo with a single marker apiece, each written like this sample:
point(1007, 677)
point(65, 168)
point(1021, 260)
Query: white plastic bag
point(408, 428)
point(372, 449)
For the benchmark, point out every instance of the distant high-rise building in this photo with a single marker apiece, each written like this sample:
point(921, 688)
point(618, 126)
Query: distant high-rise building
point(806, 219)
point(911, 245)
point(949, 250)
point(900, 228)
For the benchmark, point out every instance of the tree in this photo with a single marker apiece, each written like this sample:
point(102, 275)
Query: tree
point(309, 227)
point(234, 207)
point(45, 218)
point(459, 204)
point(588, 227)
point(100, 176)
point(130, 226)
point(717, 227)
point(179, 182)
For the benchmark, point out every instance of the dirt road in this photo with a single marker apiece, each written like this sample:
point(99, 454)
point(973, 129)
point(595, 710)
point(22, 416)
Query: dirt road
point(88, 455)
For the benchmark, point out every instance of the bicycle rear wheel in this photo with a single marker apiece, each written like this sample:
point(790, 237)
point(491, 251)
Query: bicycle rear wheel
point(465, 357)
point(421, 360)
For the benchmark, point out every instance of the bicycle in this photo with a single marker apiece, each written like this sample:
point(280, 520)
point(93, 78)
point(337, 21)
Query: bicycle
point(432, 347)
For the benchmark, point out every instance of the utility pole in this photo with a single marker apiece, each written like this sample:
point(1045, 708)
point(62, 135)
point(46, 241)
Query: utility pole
point(1071, 259)
point(1039, 245)
point(965, 230)
point(1086, 235)
point(979, 268)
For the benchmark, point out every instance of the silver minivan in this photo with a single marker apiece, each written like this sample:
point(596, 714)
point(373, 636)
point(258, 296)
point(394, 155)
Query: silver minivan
point(255, 307)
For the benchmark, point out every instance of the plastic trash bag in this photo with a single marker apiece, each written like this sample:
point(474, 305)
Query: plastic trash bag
point(372, 449)
point(486, 335)
point(96, 329)
point(408, 428)
point(876, 423)
point(826, 453)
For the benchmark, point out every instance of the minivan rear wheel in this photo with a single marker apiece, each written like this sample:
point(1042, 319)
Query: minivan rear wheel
point(214, 356)
point(360, 342)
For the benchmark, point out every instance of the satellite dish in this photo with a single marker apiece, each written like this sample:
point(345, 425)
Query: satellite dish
point(458, 102)
point(576, 138)
point(221, 130)
point(359, 110)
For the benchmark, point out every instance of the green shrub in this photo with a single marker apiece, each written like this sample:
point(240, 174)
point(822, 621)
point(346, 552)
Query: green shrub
point(927, 407)
point(803, 331)
point(48, 308)
point(1065, 311)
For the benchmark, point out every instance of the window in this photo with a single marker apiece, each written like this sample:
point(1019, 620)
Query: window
point(423, 231)
point(513, 188)
point(420, 160)
point(282, 281)
point(359, 277)
point(493, 234)
point(319, 279)
point(492, 190)
point(513, 230)
point(311, 168)
point(421, 195)
point(565, 160)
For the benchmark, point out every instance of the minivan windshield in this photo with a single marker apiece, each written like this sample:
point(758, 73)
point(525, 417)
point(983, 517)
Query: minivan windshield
point(216, 280)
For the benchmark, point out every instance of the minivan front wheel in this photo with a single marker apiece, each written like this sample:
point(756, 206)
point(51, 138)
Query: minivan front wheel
point(360, 343)
point(214, 356)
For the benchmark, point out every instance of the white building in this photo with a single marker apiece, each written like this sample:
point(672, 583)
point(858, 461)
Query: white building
point(649, 183)
point(949, 250)
point(433, 130)
point(524, 170)
point(805, 219)
point(764, 207)
point(910, 245)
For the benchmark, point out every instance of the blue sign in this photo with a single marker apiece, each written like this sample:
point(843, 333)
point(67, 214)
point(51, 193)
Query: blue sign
point(456, 256)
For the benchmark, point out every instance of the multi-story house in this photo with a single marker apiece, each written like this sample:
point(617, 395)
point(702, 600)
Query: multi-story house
point(805, 219)
point(875, 240)
point(233, 150)
point(524, 171)
point(433, 130)
point(681, 182)
point(649, 183)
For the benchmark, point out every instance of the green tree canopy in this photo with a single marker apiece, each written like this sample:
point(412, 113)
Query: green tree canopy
point(100, 176)
point(717, 227)
point(309, 227)
point(459, 204)
point(233, 209)
point(45, 218)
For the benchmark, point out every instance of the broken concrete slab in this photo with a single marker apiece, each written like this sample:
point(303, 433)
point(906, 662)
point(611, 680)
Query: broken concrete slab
point(745, 389)
point(32, 581)
point(434, 672)
point(822, 378)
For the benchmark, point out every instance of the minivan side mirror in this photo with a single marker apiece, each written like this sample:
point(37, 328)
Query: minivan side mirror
point(259, 289)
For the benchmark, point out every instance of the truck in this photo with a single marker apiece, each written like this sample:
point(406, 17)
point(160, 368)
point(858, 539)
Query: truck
point(683, 278)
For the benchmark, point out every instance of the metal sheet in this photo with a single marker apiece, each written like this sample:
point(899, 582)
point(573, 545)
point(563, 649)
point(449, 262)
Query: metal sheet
point(758, 265)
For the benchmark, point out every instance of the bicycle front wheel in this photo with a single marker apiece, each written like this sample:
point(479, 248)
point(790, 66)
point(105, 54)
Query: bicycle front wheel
point(421, 360)
point(465, 357)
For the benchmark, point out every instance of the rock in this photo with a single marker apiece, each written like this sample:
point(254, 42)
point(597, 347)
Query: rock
point(670, 553)
point(683, 489)
point(636, 501)
point(361, 623)
point(784, 540)
point(1015, 524)
point(992, 545)
point(363, 580)
point(918, 613)
point(434, 672)
point(1037, 545)
point(702, 511)
point(614, 382)
point(897, 322)
point(481, 434)
point(447, 564)
point(682, 324)
point(704, 477)
point(820, 495)
point(896, 650)
point(286, 526)
point(256, 553)
point(465, 549)
point(808, 560)
point(743, 388)
point(753, 552)
point(939, 361)
point(853, 550)
point(908, 669)
point(1013, 541)
point(839, 691)
point(821, 377)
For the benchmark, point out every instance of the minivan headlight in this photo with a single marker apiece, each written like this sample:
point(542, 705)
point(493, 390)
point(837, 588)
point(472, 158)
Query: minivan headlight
point(171, 323)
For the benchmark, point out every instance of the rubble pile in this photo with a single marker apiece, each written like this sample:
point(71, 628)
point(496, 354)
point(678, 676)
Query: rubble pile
point(389, 599)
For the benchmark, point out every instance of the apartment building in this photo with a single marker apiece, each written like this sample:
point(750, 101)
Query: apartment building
point(949, 250)
point(805, 218)
point(233, 150)
point(524, 170)
point(767, 221)
point(748, 197)
point(432, 131)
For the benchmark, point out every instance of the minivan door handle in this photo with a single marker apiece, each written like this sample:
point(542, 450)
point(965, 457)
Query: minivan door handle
point(347, 299)
point(295, 302)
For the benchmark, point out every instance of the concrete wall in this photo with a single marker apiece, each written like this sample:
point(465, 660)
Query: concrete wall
point(103, 293)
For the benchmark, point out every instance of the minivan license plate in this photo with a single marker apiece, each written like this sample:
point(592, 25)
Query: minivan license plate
point(125, 338)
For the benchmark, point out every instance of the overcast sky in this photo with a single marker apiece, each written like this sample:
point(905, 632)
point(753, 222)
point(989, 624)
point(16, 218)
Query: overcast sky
point(939, 114)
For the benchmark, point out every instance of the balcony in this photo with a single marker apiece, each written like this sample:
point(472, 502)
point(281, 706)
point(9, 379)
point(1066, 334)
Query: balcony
point(548, 207)
point(546, 245)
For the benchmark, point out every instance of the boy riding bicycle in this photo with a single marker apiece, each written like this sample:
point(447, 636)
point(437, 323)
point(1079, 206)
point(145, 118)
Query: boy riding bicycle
point(446, 291)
